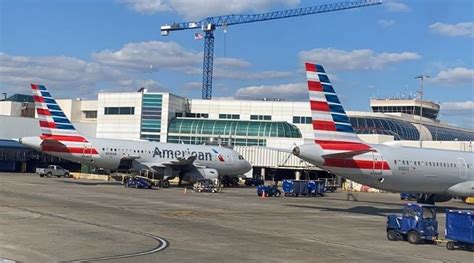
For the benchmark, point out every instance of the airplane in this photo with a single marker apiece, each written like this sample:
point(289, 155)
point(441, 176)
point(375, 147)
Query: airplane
point(187, 162)
point(437, 174)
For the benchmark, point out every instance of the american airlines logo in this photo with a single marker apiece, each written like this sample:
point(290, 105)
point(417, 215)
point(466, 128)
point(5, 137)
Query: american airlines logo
point(175, 154)
point(219, 156)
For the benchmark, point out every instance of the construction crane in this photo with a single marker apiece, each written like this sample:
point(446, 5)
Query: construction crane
point(209, 24)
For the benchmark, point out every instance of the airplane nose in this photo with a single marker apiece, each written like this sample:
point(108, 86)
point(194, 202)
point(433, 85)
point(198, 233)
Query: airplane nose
point(249, 166)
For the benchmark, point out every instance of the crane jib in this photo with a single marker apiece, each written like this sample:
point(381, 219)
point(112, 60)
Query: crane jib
point(209, 24)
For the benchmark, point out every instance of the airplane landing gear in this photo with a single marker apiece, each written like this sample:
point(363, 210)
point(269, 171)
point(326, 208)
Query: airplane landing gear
point(165, 183)
point(426, 199)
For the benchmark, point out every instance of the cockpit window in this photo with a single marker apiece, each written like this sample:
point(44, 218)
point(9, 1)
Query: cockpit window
point(241, 157)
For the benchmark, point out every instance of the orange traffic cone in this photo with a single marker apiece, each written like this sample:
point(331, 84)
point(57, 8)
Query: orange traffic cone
point(263, 195)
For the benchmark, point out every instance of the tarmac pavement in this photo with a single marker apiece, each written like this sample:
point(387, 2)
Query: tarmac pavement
point(61, 219)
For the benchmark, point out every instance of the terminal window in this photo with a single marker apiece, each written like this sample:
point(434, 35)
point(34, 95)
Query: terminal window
point(229, 116)
point(261, 117)
point(90, 114)
point(302, 120)
point(119, 111)
point(197, 115)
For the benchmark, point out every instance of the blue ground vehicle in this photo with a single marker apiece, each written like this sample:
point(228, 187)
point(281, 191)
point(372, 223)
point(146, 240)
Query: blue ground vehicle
point(138, 182)
point(459, 229)
point(268, 190)
point(303, 187)
point(409, 196)
point(417, 223)
point(253, 181)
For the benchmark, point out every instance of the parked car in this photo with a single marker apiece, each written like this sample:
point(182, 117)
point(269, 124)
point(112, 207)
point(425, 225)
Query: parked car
point(53, 170)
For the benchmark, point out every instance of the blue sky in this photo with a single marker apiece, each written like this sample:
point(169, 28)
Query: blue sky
point(79, 47)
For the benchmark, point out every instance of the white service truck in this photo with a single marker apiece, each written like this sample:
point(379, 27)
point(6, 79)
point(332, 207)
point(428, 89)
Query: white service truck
point(52, 170)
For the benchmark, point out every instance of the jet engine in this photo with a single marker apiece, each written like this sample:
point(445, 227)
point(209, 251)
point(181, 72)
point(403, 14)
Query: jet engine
point(197, 173)
point(433, 198)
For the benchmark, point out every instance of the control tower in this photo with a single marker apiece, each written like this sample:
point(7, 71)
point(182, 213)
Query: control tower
point(406, 106)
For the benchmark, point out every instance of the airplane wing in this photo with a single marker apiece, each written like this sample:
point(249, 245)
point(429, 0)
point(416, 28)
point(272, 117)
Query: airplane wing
point(170, 163)
point(343, 155)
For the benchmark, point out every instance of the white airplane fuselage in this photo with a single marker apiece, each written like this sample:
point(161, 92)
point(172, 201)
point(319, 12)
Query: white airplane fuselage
point(338, 149)
point(110, 152)
point(402, 169)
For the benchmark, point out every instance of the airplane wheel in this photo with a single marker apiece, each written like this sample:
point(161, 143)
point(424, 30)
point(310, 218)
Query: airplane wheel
point(450, 245)
point(165, 184)
point(414, 237)
point(392, 235)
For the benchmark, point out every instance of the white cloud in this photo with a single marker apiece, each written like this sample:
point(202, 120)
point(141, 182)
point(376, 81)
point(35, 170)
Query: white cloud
point(291, 92)
point(204, 8)
point(455, 76)
point(395, 6)
point(462, 111)
point(118, 68)
point(386, 23)
point(231, 62)
point(465, 29)
point(194, 85)
point(139, 56)
point(170, 55)
point(458, 106)
point(147, 6)
point(246, 75)
point(68, 73)
point(361, 59)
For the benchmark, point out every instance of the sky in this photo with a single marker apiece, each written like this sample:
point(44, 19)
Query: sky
point(80, 47)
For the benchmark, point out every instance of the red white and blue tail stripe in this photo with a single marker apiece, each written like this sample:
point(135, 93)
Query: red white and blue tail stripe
point(57, 131)
point(332, 128)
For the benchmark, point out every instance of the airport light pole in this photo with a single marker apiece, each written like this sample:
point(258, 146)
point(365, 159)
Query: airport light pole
point(422, 78)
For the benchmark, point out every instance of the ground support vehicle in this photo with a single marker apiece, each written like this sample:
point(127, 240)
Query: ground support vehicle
point(417, 223)
point(409, 196)
point(268, 190)
point(330, 184)
point(52, 170)
point(253, 182)
point(206, 185)
point(459, 229)
point(303, 187)
point(138, 182)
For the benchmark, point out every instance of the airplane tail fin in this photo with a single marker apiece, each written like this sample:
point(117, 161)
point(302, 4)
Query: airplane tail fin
point(57, 132)
point(333, 130)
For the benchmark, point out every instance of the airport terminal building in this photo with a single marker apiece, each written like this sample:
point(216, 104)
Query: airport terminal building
point(247, 125)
